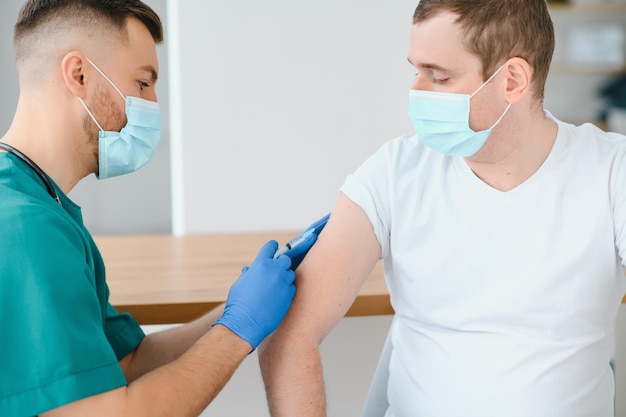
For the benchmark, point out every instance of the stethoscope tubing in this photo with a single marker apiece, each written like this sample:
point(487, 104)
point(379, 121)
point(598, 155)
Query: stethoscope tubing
point(32, 165)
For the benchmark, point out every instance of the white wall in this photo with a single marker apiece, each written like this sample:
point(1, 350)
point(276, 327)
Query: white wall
point(279, 101)
point(8, 76)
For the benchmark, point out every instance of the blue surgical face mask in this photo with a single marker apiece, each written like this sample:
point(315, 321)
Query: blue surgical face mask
point(441, 121)
point(131, 148)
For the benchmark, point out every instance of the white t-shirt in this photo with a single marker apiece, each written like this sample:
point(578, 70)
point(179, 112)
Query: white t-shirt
point(505, 301)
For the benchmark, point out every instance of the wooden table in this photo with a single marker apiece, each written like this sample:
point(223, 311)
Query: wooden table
point(162, 279)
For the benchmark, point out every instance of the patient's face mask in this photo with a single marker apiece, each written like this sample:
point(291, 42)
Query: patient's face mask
point(441, 121)
point(131, 148)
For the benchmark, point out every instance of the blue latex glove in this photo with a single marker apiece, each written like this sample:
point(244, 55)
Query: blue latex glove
point(298, 253)
point(261, 296)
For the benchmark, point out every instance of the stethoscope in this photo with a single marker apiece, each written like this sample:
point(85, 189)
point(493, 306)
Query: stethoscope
point(35, 169)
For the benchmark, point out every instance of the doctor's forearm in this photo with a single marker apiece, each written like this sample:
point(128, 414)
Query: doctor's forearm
point(199, 374)
point(158, 349)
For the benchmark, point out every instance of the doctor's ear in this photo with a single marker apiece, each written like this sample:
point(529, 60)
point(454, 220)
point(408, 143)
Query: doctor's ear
point(73, 69)
point(518, 73)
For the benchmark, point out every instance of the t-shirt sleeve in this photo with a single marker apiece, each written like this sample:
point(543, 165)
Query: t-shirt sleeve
point(368, 187)
point(55, 349)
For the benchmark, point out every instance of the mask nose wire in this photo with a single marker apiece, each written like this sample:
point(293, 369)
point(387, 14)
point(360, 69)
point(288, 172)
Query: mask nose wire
point(117, 89)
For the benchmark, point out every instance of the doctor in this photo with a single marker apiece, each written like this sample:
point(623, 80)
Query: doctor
point(87, 71)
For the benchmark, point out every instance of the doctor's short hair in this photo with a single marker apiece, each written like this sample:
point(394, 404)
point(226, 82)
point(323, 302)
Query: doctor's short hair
point(496, 30)
point(49, 23)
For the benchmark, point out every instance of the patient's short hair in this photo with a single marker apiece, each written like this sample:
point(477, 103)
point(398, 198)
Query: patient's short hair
point(496, 30)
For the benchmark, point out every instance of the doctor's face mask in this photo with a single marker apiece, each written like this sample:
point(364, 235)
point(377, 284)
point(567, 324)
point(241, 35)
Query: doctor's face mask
point(131, 148)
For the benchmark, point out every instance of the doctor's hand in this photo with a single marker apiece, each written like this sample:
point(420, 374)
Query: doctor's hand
point(298, 253)
point(261, 296)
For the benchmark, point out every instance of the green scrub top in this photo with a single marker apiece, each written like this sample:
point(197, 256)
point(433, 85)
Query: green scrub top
point(61, 339)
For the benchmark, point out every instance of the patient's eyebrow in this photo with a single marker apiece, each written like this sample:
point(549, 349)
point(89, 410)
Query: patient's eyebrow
point(429, 66)
point(153, 74)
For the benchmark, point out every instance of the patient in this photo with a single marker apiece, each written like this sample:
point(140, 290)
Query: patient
point(502, 231)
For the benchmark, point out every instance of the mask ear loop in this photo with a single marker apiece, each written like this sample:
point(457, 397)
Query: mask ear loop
point(90, 114)
point(501, 117)
point(107, 78)
point(481, 87)
point(487, 82)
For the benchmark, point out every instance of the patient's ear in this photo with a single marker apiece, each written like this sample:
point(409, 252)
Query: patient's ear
point(518, 73)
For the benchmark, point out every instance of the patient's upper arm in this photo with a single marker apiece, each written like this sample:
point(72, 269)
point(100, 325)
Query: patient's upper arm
point(331, 275)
